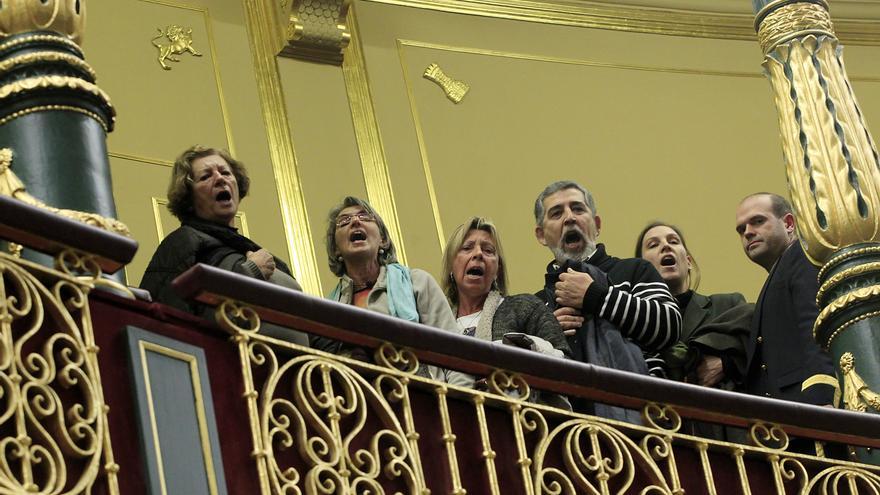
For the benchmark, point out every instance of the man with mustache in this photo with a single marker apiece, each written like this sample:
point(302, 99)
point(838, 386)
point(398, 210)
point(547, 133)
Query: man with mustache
point(588, 289)
point(781, 352)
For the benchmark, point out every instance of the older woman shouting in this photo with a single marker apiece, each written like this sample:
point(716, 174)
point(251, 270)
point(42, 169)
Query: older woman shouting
point(476, 287)
point(363, 256)
point(206, 187)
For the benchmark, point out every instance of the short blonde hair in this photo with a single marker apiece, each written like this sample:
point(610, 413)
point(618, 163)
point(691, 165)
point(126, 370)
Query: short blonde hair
point(454, 244)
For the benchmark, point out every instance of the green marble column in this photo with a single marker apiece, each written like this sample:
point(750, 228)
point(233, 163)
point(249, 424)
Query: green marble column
point(52, 114)
point(833, 170)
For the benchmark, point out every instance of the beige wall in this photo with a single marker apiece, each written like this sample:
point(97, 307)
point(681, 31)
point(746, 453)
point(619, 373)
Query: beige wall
point(658, 126)
point(677, 128)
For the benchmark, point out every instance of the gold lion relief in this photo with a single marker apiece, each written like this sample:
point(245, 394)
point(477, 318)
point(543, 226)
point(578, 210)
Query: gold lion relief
point(180, 42)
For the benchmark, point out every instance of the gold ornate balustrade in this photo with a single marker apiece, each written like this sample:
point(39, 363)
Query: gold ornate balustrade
point(54, 434)
point(322, 423)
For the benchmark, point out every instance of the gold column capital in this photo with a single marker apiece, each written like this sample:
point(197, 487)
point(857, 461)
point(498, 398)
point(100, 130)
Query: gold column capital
point(781, 21)
point(63, 16)
point(317, 30)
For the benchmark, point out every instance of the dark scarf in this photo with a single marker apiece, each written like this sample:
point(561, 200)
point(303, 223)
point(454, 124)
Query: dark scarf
point(233, 242)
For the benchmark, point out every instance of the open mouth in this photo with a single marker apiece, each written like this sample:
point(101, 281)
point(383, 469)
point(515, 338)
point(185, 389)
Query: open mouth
point(668, 260)
point(572, 237)
point(476, 271)
point(223, 195)
point(358, 235)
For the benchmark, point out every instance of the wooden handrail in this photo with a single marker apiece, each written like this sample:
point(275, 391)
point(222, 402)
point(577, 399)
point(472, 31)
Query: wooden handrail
point(50, 233)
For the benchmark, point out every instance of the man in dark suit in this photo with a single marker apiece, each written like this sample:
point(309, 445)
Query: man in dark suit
point(781, 352)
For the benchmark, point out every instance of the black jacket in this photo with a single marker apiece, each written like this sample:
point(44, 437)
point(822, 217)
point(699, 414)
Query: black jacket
point(198, 242)
point(781, 351)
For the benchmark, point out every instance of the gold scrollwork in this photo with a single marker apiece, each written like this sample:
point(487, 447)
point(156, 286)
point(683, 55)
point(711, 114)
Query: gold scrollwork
point(848, 299)
point(455, 90)
point(318, 30)
point(11, 185)
point(596, 459)
point(318, 408)
point(767, 435)
point(791, 21)
point(661, 417)
point(844, 479)
point(76, 263)
point(179, 42)
point(399, 359)
point(236, 318)
point(857, 396)
point(508, 384)
point(52, 407)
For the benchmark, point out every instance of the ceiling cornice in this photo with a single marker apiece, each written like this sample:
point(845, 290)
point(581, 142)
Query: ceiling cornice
point(856, 21)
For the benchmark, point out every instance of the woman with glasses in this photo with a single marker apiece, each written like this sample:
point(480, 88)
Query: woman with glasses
point(206, 187)
point(362, 255)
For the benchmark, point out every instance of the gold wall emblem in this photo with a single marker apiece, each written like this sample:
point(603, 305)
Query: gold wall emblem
point(455, 90)
point(179, 42)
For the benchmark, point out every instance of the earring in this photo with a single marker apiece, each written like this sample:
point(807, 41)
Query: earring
point(339, 258)
point(451, 278)
point(381, 251)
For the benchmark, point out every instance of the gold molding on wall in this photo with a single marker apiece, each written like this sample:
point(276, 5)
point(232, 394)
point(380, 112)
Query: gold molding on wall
point(420, 138)
point(141, 159)
point(259, 14)
point(401, 43)
point(224, 111)
point(631, 18)
point(377, 179)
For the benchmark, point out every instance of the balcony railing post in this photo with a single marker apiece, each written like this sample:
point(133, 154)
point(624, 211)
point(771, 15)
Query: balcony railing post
point(833, 171)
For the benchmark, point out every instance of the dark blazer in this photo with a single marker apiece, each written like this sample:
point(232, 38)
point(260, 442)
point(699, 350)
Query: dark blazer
point(716, 325)
point(781, 350)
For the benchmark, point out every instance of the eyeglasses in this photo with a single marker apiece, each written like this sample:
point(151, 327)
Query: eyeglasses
point(344, 220)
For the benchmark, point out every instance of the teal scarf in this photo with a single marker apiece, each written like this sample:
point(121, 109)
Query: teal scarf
point(401, 299)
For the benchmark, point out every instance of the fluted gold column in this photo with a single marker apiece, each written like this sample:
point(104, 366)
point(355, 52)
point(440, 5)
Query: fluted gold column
point(833, 173)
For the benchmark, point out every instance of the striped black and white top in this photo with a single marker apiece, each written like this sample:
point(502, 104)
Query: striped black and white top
point(635, 299)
